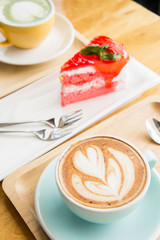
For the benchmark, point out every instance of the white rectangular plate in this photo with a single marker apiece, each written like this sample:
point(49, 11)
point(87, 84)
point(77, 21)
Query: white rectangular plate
point(41, 100)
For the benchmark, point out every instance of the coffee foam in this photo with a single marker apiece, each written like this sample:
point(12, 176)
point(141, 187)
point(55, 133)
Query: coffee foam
point(27, 11)
point(111, 185)
point(103, 175)
point(92, 164)
point(24, 11)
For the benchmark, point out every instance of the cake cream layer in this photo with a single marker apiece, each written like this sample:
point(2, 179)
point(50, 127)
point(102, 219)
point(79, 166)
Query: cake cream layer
point(83, 75)
point(86, 82)
point(79, 71)
point(97, 83)
point(92, 86)
point(84, 93)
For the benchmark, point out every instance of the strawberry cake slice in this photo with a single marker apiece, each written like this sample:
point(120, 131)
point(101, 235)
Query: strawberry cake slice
point(93, 71)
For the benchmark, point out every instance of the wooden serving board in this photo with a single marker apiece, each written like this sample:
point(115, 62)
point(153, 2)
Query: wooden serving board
point(14, 77)
point(129, 124)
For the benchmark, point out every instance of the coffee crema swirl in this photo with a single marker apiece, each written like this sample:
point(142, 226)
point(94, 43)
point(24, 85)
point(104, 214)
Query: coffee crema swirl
point(102, 172)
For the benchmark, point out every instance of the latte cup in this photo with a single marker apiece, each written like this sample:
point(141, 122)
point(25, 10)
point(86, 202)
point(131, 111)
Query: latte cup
point(122, 158)
point(25, 24)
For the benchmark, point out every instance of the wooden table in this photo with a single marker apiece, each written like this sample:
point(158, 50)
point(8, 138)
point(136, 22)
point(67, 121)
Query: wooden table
point(126, 22)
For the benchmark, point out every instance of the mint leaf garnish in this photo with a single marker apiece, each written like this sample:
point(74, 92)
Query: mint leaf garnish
point(111, 56)
point(101, 51)
point(92, 49)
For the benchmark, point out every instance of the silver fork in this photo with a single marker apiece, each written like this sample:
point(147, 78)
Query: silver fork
point(44, 134)
point(64, 120)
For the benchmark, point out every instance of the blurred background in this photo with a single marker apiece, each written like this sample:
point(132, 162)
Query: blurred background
point(152, 5)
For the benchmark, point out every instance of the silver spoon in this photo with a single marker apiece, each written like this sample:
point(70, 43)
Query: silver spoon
point(153, 128)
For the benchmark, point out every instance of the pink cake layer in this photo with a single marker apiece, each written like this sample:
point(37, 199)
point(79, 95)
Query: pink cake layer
point(79, 79)
point(77, 95)
point(78, 87)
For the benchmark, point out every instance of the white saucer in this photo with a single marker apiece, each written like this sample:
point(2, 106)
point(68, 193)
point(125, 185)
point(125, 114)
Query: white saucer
point(57, 42)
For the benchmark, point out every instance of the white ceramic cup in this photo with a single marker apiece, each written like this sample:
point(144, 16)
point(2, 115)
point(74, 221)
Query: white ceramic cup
point(97, 215)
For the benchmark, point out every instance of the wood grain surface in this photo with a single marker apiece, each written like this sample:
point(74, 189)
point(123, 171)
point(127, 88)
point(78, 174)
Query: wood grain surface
point(123, 20)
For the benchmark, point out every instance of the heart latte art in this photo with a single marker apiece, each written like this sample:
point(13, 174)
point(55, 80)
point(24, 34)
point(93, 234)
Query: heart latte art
point(102, 172)
point(112, 183)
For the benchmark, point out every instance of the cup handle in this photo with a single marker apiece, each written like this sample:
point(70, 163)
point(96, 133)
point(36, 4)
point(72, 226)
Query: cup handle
point(151, 158)
point(5, 43)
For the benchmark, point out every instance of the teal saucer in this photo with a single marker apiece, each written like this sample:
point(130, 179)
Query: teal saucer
point(61, 224)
